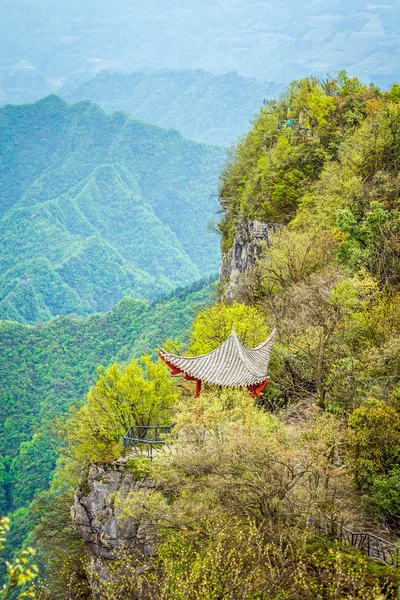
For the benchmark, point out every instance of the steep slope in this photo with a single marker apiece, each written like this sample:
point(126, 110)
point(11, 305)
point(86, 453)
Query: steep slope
point(44, 367)
point(204, 107)
point(89, 206)
point(328, 175)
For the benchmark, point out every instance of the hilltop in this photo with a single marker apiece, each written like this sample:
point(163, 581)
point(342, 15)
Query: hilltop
point(204, 107)
point(89, 205)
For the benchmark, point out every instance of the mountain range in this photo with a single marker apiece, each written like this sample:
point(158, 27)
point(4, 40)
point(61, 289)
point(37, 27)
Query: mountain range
point(43, 43)
point(95, 207)
point(203, 107)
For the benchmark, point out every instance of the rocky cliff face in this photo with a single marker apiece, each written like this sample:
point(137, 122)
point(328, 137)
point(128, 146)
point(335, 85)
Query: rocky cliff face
point(103, 531)
point(244, 253)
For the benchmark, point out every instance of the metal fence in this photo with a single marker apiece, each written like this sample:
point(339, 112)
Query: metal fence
point(369, 543)
point(146, 440)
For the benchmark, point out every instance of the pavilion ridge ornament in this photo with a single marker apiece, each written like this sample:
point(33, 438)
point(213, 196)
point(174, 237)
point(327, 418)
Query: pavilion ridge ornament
point(230, 365)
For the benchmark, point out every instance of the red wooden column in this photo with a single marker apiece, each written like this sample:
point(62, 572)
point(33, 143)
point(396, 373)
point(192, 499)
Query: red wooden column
point(198, 388)
point(177, 371)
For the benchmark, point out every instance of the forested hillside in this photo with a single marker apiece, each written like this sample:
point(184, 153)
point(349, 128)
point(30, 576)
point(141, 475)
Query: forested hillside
point(249, 504)
point(249, 498)
point(95, 207)
point(203, 107)
point(45, 367)
point(322, 162)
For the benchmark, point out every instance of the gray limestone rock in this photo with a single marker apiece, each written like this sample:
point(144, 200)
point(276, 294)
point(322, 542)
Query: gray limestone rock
point(103, 531)
point(244, 253)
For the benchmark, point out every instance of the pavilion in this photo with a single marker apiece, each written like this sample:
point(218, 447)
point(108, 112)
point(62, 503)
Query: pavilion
point(230, 365)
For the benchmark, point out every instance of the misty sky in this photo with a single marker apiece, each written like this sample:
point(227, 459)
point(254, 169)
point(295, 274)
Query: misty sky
point(271, 40)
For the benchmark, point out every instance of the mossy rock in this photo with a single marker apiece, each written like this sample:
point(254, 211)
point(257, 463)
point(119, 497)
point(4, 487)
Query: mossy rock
point(140, 467)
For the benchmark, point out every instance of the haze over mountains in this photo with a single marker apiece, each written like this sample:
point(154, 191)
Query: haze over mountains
point(204, 107)
point(96, 207)
point(44, 43)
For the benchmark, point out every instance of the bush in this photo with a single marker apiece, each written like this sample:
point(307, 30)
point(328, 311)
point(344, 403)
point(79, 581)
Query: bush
point(384, 496)
point(213, 325)
point(374, 441)
point(21, 572)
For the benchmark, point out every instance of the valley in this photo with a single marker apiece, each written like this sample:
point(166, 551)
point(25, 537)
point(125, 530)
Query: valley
point(90, 206)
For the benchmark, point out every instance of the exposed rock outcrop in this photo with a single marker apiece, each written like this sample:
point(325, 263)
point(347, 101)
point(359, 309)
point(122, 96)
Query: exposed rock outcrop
point(103, 531)
point(244, 253)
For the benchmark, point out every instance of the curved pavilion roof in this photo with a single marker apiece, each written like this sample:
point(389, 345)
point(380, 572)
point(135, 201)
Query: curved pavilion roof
point(230, 365)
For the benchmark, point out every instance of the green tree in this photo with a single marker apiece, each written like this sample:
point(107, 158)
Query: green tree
point(142, 393)
point(374, 441)
point(214, 324)
point(372, 241)
point(384, 496)
point(31, 470)
point(19, 573)
point(394, 93)
point(3, 483)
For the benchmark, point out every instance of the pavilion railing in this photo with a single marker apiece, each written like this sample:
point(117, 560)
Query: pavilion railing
point(144, 440)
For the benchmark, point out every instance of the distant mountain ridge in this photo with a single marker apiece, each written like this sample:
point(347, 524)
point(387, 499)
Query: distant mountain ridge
point(95, 207)
point(203, 107)
point(44, 43)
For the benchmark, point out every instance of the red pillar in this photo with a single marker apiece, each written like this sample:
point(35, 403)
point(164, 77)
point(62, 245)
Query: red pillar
point(198, 387)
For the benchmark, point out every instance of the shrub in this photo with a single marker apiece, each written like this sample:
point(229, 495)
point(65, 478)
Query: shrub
point(142, 393)
point(21, 572)
point(374, 441)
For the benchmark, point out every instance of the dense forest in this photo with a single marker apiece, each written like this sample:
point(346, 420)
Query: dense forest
point(47, 367)
point(213, 109)
point(247, 502)
point(89, 210)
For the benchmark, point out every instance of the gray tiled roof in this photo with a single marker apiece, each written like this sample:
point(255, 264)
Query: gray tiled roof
point(232, 364)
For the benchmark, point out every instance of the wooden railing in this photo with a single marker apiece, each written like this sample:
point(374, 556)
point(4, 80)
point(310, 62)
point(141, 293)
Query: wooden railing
point(145, 440)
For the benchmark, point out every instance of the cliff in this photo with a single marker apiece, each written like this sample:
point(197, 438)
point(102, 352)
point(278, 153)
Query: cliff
point(103, 531)
point(243, 254)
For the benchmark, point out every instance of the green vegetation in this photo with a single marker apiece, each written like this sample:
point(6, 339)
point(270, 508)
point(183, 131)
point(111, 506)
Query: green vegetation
point(213, 325)
point(44, 370)
point(321, 162)
point(330, 280)
point(337, 138)
point(374, 441)
point(231, 509)
point(140, 394)
point(21, 572)
point(89, 210)
point(229, 512)
point(247, 500)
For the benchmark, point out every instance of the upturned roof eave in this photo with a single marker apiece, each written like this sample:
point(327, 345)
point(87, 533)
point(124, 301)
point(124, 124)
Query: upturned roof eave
point(237, 384)
point(248, 373)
